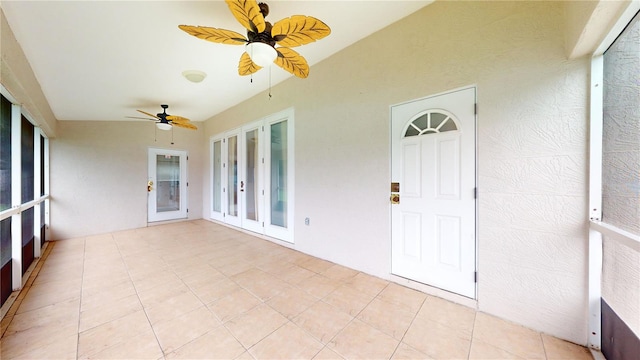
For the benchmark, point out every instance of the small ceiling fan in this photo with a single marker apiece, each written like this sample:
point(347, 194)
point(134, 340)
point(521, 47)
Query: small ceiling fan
point(165, 121)
point(262, 37)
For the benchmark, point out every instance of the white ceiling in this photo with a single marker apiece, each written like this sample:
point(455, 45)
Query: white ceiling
point(102, 60)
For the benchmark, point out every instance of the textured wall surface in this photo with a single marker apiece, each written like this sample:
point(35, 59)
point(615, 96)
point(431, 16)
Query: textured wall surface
point(99, 175)
point(621, 173)
point(532, 131)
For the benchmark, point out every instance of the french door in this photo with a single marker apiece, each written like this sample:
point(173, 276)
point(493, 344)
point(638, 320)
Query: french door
point(252, 176)
point(167, 185)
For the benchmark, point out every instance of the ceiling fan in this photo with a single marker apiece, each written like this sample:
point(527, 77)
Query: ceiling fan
point(165, 121)
point(262, 37)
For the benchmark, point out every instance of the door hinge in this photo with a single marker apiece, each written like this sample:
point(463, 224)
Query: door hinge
point(263, 224)
point(187, 210)
point(475, 192)
point(263, 160)
point(475, 277)
point(187, 158)
point(187, 183)
point(475, 109)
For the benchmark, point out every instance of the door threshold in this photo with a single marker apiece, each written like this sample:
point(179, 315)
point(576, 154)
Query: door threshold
point(434, 291)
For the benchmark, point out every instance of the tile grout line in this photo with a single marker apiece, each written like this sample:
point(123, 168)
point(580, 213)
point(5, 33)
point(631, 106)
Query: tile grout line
point(138, 295)
point(354, 317)
point(409, 327)
point(84, 256)
point(473, 330)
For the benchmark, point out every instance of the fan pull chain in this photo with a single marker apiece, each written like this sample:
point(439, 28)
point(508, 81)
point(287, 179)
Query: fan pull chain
point(171, 135)
point(269, 82)
point(155, 133)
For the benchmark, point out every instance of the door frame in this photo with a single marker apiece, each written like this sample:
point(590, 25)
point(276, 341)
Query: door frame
point(476, 181)
point(182, 213)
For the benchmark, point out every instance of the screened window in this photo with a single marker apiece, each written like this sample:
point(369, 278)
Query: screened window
point(621, 131)
point(5, 179)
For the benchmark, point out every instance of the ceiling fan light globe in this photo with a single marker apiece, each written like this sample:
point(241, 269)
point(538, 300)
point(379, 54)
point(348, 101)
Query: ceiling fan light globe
point(194, 76)
point(163, 126)
point(261, 54)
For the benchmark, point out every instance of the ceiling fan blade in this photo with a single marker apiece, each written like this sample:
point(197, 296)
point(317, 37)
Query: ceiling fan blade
point(142, 118)
point(247, 12)
point(299, 30)
point(246, 66)
point(221, 36)
point(185, 125)
point(146, 113)
point(177, 119)
point(292, 62)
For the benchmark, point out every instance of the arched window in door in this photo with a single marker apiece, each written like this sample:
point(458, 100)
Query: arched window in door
point(431, 122)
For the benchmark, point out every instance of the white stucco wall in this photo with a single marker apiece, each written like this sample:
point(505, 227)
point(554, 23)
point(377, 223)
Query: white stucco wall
point(99, 175)
point(532, 131)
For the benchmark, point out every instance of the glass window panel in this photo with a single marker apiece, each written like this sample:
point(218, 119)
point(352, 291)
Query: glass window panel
point(449, 125)
point(27, 160)
point(168, 183)
point(217, 176)
point(5, 241)
point(5, 154)
point(411, 131)
point(279, 174)
point(437, 119)
point(42, 145)
point(421, 122)
point(27, 226)
point(251, 191)
point(232, 177)
point(42, 224)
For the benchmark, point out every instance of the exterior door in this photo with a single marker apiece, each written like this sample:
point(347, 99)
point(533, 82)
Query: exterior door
point(433, 185)
point(252, 176)
point(167, 185)
point(251, 184)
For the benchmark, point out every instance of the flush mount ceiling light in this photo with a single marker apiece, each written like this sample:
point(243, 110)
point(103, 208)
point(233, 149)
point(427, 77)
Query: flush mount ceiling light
point(262, 37)
point(195, 76)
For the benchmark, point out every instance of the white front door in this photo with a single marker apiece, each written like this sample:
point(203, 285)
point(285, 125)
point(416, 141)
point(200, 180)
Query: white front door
point(433, 180)
point(167, 185)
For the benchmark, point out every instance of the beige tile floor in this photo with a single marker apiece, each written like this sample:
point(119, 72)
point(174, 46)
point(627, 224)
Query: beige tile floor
point(198, 290)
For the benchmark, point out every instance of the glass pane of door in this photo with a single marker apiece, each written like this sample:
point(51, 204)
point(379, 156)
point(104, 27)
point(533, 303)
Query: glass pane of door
point(278, 206)
point(217, 177)
point(232, 175)
point(168, 183)
point(252, 174)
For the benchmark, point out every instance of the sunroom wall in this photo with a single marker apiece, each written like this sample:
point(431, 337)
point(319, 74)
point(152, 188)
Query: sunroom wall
point(532, 135)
